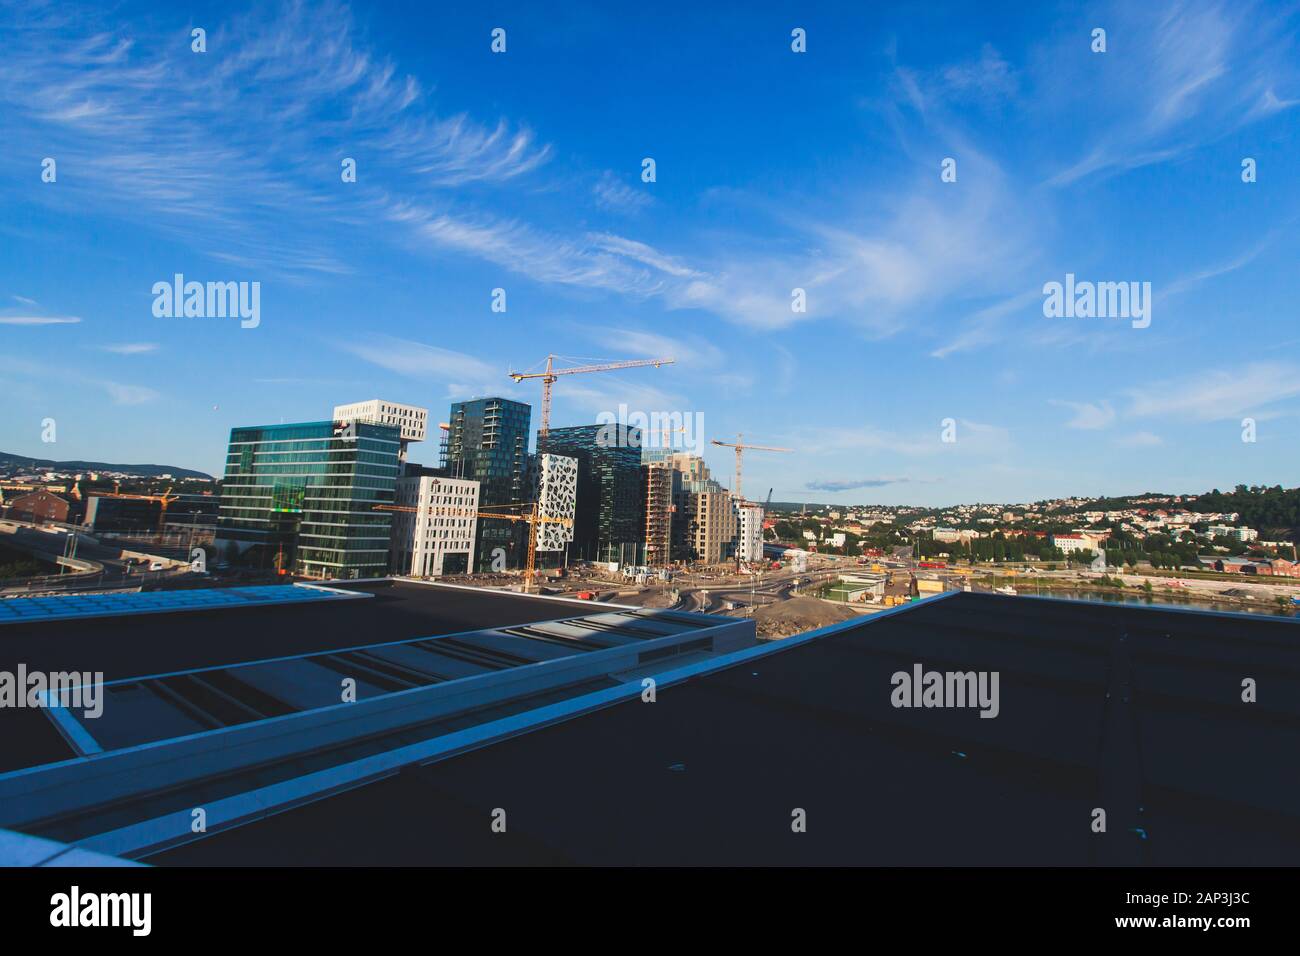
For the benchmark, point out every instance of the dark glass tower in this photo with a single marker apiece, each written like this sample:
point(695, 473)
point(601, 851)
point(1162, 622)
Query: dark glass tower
point(488, 442)
point(609, 522)
point(300, 498)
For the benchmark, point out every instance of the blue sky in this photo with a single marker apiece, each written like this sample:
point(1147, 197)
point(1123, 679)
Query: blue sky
point(775, 170)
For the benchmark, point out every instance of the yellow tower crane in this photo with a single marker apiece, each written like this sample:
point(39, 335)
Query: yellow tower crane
point(163, 500)
point(551, 373)
point(740, 446)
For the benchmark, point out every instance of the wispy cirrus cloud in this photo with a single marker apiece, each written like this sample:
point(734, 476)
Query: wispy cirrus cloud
point(1176, 76)
point(854, 484)
point(1142, 439)
point(1088, 415)
point(613, 194)
point(110, 99)
point(1217, 395)
point(39, 319)
point(464, 374)
point(160, 134)
point(131, 348)
point(126, 394)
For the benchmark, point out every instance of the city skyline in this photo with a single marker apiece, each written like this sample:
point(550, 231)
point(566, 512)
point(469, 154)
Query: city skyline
point(775, 171)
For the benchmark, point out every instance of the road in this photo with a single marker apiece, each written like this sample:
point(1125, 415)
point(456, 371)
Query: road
point(118, 572)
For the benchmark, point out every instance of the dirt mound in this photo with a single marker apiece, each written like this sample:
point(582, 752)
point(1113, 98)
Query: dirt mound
point(786, 618)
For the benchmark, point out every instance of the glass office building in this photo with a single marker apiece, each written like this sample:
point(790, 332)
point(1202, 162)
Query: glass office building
point(301, 498)
point(609, 520)
point(487, 442)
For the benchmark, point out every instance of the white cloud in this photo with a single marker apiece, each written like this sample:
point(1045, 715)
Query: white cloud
point(38, 320)
point(1205, 69)
point(1088, 415)
point(1217, 395)
point(464, 373)
point(615, 195)
point(129, 394)
point(131, 348)
point(1140, 440)
point(169, 139)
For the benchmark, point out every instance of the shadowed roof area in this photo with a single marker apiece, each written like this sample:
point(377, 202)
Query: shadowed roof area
point(148, 644)
point(134, 645)
point(1137, 711)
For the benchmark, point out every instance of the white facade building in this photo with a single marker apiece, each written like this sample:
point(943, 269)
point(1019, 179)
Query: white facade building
point(1073, 542)
point(1241, 534)
point(443, 524)
point(749, 535)
point(557, 497)
point(413, 420)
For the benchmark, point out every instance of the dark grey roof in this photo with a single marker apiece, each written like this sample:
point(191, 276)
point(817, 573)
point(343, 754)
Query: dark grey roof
point(1138, 711)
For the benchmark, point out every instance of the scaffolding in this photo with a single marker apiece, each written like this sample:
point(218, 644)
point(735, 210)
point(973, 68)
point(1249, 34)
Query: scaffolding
point(658, 514)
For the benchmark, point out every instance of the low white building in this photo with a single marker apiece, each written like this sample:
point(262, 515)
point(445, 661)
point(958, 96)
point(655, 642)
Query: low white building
point(1068, 543)
point(443, 524)
point(1227, 531)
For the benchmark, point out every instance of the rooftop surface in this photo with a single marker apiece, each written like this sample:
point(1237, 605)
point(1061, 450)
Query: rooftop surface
point(132, 645)
point(122, 769)
point(1137, 711)
point(127, 646)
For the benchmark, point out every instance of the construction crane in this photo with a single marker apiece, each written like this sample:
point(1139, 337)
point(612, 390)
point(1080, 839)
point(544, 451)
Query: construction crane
point(551, 373)
point(533, 519)
point(667, 441)
point(740, 446)
point(163, 499)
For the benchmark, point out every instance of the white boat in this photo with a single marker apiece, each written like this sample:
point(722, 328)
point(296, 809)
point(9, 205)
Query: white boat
point(1006, 589)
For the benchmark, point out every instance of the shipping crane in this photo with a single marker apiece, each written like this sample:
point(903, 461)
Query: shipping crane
point(551, 373)
point(740, 446)
point(533, 519)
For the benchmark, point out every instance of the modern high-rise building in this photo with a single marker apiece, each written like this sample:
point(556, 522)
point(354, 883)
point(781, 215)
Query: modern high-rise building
point(437, 537)
point(301, 498)
point(608, 524)
point(557, 497)
point(411, 419)
point(487, 442)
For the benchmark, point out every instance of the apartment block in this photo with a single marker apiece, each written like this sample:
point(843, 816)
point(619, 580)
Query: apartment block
point(712, 525)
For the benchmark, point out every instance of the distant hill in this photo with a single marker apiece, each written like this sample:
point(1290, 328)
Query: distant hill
point(10, 462)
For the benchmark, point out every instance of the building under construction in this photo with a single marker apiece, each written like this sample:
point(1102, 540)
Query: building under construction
point(661, 482)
